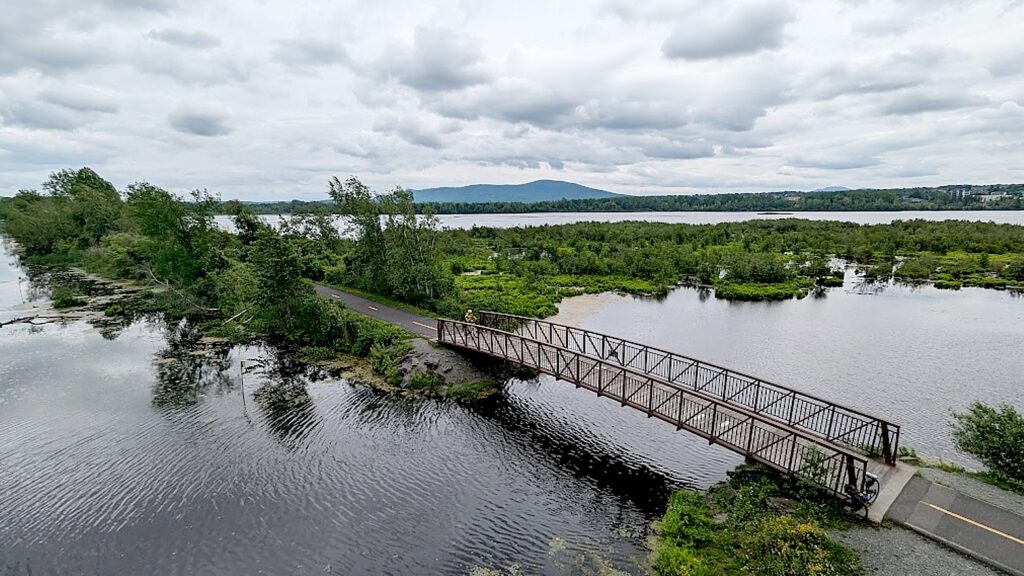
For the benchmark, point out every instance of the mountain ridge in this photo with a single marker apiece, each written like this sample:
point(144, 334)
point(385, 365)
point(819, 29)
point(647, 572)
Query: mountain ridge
point(535, 191)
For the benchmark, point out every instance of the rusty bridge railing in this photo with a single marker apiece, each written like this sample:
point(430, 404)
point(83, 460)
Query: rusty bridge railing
point(758, 437)
point(826, 419)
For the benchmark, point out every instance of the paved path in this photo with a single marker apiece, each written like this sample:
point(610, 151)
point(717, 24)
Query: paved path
point(420, 325)
point(989, 533)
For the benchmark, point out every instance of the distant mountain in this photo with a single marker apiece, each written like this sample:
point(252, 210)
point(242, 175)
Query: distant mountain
point(832, 189)
point(538, 191)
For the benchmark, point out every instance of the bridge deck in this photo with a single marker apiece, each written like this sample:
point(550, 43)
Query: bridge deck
point(828, 420)
point(757, 436)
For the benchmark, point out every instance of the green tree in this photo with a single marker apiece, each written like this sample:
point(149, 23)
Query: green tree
point(396, 253)
point(182, 241)
point(995, 436)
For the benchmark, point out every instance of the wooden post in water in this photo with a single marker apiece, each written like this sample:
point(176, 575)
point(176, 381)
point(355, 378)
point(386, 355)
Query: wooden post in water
point(241, 374)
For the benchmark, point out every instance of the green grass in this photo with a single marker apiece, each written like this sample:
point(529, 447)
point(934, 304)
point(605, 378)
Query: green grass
point(426, 382)
point(733, 529)
point(753, 291)
point(472, 390)
point(538, 296)
point(1003, 483)
point(384, 360)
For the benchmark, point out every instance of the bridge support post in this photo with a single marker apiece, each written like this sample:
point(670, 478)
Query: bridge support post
point(887, 446)
point(851, 472)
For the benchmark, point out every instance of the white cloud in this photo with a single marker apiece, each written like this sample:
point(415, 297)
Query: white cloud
point(269, 100)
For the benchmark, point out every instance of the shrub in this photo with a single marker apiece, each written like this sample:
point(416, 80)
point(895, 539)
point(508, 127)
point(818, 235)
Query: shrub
point(65, 297)
point(426, 381)
point(472, 390)
point(995, 436)
point(783, 546)
point(1014, 270)
point(384, 359)
point(688, 520)
point(678, 560)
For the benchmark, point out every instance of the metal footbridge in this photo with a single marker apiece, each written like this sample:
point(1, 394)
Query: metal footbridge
point(804, 436)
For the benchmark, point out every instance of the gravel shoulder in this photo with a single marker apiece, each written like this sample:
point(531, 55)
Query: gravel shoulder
point(895, 551)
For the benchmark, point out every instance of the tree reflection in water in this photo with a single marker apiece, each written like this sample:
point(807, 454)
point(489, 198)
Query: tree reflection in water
point(282, 395)
point(187, 370)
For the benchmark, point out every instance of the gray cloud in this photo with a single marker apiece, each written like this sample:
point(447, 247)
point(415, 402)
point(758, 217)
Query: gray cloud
point(185, 39)
point(199, 122)
point(439, 59)
point(670, 149)
point(833, 161)
point(196, 69)
point(27, 52)
point(306, 52)
point(633, 115)
point(52, 108)
point(1007, 64)
point(509, 101)
point(410, 129)
point(930, 100)
point(81, 100)
point(719, 32)
point(38, 115)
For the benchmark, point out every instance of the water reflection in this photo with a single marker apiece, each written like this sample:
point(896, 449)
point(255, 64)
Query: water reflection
point(283, 396)
point(186, 370)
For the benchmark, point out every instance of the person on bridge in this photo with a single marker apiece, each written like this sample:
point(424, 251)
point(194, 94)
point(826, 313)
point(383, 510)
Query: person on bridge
point(469, 317)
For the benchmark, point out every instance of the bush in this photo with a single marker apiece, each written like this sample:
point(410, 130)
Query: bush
point(685, 527)
point(750, 291)
point(65, 297)
point(425, 381)
point(472, 390)
point(783, 546)
point(995, 436)
point(384, 359)
point(687, 520)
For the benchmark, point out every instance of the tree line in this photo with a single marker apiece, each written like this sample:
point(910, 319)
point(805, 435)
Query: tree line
point(253, 284)
point(263, 273)
point(990, 197)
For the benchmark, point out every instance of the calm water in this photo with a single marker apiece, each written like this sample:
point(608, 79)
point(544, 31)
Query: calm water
point(465, 221)
point(132, 452)
point(912, 355)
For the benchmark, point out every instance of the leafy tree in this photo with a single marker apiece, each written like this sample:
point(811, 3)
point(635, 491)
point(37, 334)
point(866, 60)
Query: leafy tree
point(396, 253)
point(183, 242)
point(995, 436)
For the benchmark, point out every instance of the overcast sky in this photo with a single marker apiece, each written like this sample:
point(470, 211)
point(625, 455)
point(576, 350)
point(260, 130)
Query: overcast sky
point(268, 99)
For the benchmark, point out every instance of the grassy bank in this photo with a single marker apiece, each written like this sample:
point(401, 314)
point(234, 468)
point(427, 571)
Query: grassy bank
point(755, 523)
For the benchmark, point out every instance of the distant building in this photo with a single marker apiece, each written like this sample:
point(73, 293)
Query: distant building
point(994, 197)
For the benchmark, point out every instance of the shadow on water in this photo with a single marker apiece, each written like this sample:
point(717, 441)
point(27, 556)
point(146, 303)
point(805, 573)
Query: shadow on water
point(606, 467)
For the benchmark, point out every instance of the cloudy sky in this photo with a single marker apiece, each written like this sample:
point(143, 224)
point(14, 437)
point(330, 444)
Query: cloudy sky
point(268, 99)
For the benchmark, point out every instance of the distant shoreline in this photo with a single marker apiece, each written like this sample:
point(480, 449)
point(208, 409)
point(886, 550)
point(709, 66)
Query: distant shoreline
point(957, 198)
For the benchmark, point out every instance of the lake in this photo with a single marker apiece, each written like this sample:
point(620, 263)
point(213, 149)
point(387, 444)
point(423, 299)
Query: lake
point(138, 451)
point(465, 221)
